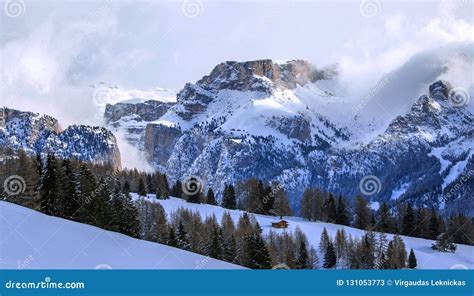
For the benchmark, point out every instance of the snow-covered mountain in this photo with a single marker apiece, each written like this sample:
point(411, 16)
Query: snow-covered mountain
point(427, 258)
point(276, 121)
point(37, 133)
point(32, 240)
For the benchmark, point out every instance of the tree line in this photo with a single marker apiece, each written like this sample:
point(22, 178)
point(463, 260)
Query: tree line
point(317, 205)
point(98, 195)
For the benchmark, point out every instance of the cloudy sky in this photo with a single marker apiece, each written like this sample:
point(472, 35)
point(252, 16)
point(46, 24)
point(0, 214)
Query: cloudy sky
point(51, 52)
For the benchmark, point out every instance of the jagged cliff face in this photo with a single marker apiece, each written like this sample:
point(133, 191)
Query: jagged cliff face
point(258, 119)
point(37, 133)
point(419, 157)
point(132, 118)
point(262, 76)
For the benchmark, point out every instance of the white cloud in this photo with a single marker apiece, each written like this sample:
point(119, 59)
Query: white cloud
point(374, 52)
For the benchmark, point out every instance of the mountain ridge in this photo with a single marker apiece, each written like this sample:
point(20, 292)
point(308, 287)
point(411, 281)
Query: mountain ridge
point(42, 134)
point(233, 125)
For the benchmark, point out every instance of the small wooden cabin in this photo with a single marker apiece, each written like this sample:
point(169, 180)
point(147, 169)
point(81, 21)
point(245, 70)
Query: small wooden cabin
point(280, 224)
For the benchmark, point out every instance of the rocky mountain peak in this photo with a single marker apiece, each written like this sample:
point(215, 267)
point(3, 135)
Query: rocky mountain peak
point(34, 120)
point(261, 75)
point(440, 90)
point(41, 134)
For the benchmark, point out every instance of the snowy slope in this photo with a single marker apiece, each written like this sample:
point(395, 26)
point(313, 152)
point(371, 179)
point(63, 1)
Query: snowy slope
point(426, 257)
point(31, 240)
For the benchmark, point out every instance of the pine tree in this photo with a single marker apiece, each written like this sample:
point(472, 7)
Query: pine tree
point(331, 211)
point(130, 218)
point(50, 199)
point(68, 190)
point(396, 253)
point(434, 224)
point(172, 240)
point(324, 241)
point(100, 205)
point(340, 243)
point(365, 251)
point(385, 223)
point(383, 262)
point(408, 221)
point(412, 260)
point(151, 187)
point(303, 259)
point(28, 170)
point(118, 204)
point(228, 200)
point(182, 237)
point(215, 250)
point(290, 258)
point(306, 208)
point(267, 196)
point(313, 259)
point(229, 251)
point(177, 190)
point(252, 196)
point(229, 243)
point(362, 213)
point(257, 256)
point(166, 187)
point(330, 259)
point(461, 229)
point(211, 199)
point(380, 250)
point(444, 243)
point(341, 214)
point(126, 188)
point(142, 188)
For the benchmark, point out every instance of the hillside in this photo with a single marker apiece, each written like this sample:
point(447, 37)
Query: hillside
point(32, 240)
point(426, 257)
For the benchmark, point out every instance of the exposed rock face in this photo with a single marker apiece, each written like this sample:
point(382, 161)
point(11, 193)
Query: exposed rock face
point(247, 120)
point(440, 90)
point(41, 134)
point(159, 142)
point(132, 118)
point(296, 127)
point(143, 111)
point(253, 76)
point(247, 76)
